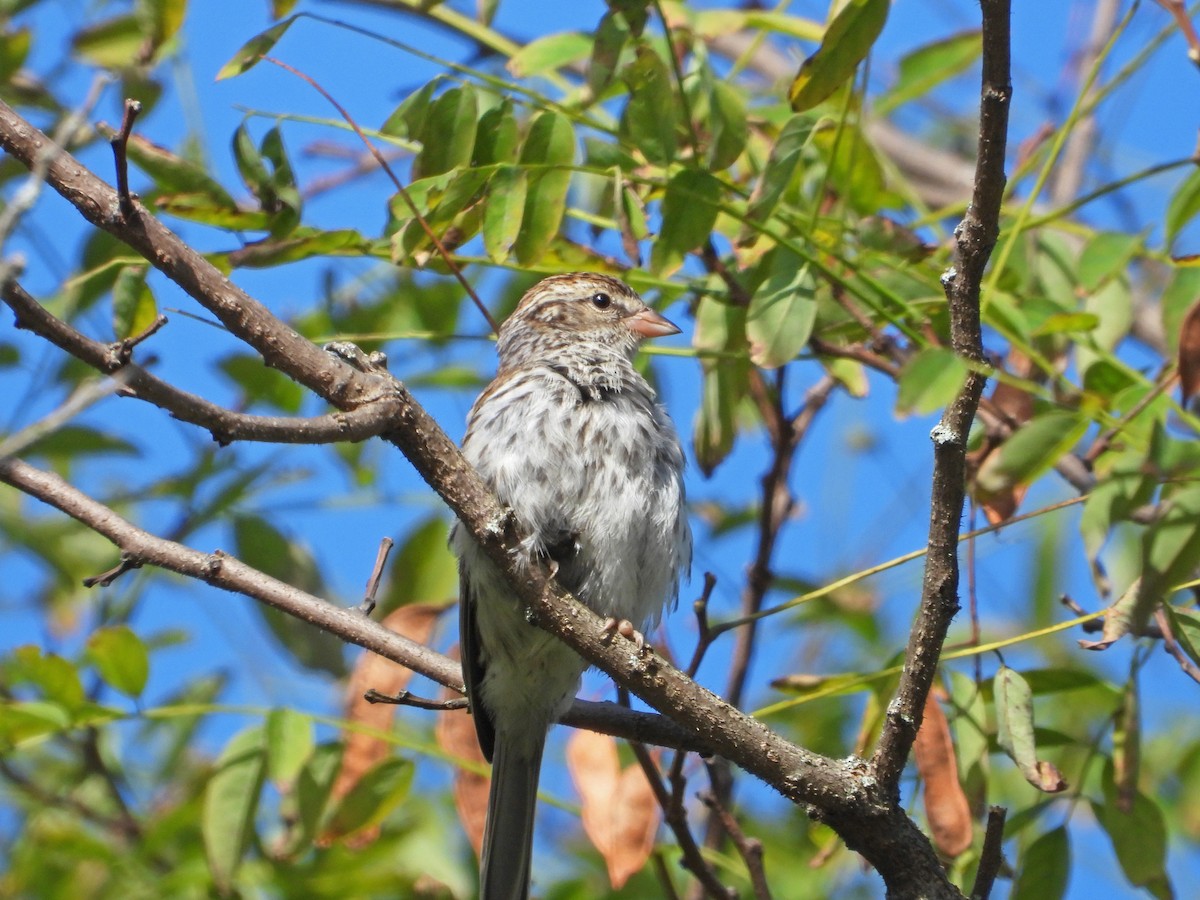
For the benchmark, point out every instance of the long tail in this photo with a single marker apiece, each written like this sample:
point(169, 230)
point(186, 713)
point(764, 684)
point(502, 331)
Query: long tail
point(508, 835)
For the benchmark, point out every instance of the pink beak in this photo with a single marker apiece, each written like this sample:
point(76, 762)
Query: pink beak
point(649, 324)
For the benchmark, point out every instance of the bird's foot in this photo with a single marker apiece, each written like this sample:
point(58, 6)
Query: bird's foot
point(367, 363)
point(624, 627)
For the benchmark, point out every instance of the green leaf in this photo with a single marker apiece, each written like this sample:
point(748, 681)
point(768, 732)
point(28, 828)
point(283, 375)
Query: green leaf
point(289, 744)
point(408, 119)
point(254, 49)
point(929, 381)
point(1106, 256)
point(230, 803)
point(262, 385)
point(650, 119)
point(923, 69)
point(448, 134)
point(1170, 549)
point(1183, 207)
point(376, 794)
point(854, 168)
point(134, 307)
point(548, 53)
point(1122, 485)
point(1177, 298)
point(777, 174)
point(782, 311)
point(719, 327)
point(504, 211)
point(689, 211)
point(14, 49)
point(498, 139)
point(612, 34)
point(261, 545)
point(726, 122)
point(425, 571)
point(847, 41)
point(301, 243)
point(548, 152)
point(203, 209)
point(111, 44)
point(1034, 448)
point(1045, 867)
point(29, 720)
point(286, 202)
point(252, 168)
point(56, 678)
point(1139, 838)
point(174, 174)
point(162, 18)
point(71, 442)
point(313, 787)
point(1015, 734)
point(121, 659)
point(1185, 626)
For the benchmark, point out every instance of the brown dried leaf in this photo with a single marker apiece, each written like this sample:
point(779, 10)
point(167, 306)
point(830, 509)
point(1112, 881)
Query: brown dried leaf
point(456, 735)
point(1050, 779)
point(1189, 353)
point(946, 804)
point(620, 814)
point(363, 750)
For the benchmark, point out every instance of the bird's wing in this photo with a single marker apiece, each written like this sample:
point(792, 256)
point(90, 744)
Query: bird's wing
point(469, 646)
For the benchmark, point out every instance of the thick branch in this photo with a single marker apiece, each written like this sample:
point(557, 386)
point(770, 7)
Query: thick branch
point(975, 236)
point(281, 347)
point(226, 572)
point(224, 425)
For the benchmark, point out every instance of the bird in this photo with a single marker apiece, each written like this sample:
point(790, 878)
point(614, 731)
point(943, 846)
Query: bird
point(573, 440)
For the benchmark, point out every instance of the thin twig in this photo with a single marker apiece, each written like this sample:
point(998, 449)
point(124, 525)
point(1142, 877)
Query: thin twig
point(991, 857)
point(750, 849)
point(120, 145)
point(368, 604)
point(1172, 646)
point(704, 635)
point(1178, 9)
point(675, 817)
point(128, 563)
point(975, 237)
point(408, 698)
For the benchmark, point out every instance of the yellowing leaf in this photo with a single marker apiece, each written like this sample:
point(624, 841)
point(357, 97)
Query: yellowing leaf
point(254, 49)
point(1014, 731)
point(547, 53)
point(847, 41)
point(134, 308)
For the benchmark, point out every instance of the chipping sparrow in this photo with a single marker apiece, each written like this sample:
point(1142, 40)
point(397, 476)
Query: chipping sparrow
point(571, 437)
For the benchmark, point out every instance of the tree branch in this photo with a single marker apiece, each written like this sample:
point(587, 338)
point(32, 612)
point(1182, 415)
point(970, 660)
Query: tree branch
point(842, 793)
point(975, 237)
point(225, 426)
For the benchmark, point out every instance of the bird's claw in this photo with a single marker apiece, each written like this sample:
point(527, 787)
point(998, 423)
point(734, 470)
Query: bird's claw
point(353, 355)
point(624, 627)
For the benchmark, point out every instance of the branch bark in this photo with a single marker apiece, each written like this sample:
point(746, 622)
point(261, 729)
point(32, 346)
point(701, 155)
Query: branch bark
point(975, 237)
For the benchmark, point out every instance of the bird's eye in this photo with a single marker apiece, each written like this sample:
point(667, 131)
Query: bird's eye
point(601, 301)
